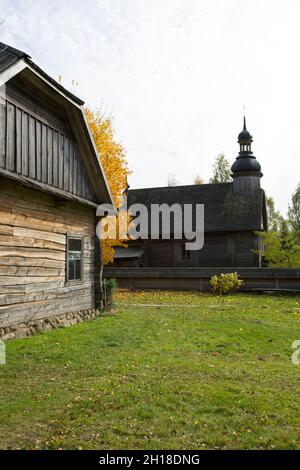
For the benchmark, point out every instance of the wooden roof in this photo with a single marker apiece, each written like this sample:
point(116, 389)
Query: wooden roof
point(224, 209)
point(10, 56)
point(15, 63)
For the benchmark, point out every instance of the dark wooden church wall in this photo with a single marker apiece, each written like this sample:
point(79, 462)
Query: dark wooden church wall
point(171, 253)
point(216, 250)
point(220, 249)
point(245, 245)
point(160, 252)
point(41, 149)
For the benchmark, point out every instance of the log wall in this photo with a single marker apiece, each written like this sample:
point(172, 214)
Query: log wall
point(33, 229)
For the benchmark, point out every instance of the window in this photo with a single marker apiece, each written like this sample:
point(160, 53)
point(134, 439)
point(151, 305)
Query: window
point(74, 259)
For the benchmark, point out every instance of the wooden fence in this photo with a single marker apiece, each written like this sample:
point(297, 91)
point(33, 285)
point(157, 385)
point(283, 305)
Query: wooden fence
point(198, 278)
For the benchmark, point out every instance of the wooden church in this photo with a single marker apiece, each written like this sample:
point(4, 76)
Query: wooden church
point(233, 214)
point(51, 183)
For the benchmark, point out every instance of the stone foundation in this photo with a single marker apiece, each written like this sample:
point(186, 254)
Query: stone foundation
point(30, 328)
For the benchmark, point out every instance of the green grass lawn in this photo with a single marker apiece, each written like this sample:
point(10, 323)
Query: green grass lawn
point(207, 373)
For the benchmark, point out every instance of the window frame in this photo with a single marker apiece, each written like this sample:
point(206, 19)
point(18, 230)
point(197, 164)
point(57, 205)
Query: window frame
point(74, 281)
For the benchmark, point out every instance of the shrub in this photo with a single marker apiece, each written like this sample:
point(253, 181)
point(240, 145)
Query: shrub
point(226, 283)
point(109, 286)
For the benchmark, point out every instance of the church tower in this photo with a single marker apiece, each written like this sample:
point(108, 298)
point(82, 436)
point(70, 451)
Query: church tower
point(246, 171)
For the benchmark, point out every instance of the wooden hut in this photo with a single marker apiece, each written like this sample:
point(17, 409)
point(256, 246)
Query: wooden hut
point(51, 182)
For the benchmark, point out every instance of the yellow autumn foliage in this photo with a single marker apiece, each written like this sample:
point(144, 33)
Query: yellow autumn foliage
point(113, 160)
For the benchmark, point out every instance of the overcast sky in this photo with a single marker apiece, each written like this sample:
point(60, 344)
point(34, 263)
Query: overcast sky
point(176, 74)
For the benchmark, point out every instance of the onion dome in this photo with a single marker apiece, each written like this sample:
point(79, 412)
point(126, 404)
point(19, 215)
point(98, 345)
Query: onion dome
point(245, 161)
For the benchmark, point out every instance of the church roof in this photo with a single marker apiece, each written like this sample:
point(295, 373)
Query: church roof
point(224, 208)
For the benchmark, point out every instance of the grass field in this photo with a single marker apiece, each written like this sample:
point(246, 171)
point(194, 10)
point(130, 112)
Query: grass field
point(186, 371)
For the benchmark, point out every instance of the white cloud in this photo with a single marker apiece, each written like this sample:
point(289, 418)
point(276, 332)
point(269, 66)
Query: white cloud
point(176, 75)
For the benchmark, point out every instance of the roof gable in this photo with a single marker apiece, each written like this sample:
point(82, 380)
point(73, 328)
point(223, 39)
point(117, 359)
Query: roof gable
point(15, 63)
point(9, 56)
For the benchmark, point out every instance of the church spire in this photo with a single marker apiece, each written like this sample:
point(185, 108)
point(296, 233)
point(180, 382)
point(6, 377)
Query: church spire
point(245, 139)
point(246, 165)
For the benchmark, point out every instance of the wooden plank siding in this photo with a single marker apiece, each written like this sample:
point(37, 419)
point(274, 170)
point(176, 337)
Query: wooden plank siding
point(33, 230)
point(33, 147)
point(220, 249)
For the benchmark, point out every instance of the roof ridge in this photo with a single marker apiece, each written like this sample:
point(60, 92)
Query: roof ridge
point(181, 186)
point(12, 50)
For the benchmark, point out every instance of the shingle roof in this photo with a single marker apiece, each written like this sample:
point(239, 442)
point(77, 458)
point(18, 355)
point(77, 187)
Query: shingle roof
point(10, 56)
point(224, 208)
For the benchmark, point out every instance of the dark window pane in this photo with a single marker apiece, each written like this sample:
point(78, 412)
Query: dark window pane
point(78, 269)
point(71, 269)
point(75, 244)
